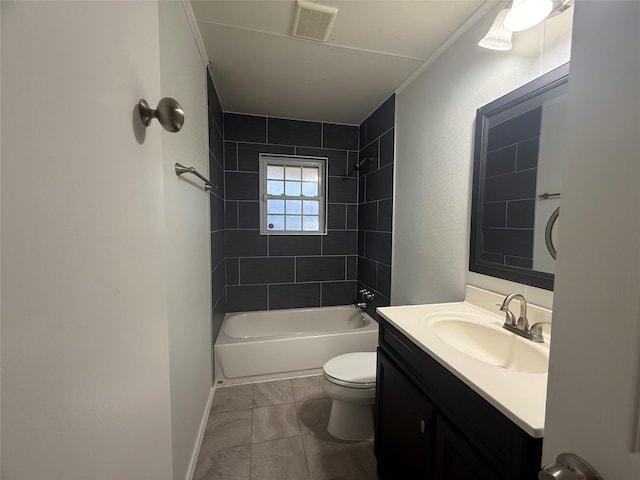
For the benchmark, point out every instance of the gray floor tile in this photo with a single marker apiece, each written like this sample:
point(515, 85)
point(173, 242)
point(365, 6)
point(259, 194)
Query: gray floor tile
point(229, 399)
point(307, 388)
point(281, 459)
point(278, 421)
point(225, 430)
point(313, 416)
point(272, 393)
point(333, 459)
point(228, 464)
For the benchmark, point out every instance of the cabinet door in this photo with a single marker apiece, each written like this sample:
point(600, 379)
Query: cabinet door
point(404, 426)
point(456, 459)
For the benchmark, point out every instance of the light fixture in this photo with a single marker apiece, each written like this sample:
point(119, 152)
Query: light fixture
point(523, 14)
point(527, 13)
point(498, 38)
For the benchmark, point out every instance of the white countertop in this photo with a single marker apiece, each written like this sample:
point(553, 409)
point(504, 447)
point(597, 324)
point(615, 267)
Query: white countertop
point(519, 396)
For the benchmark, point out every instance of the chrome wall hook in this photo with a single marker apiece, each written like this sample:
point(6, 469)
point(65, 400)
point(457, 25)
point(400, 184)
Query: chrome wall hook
point(168, 112)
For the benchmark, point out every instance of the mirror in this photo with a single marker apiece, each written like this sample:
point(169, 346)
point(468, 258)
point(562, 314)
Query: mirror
point(518, 152)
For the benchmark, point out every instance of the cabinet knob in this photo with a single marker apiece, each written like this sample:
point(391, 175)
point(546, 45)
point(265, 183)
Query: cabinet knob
point(422, 425)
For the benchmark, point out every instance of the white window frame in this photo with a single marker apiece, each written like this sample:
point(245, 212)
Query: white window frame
point(296, 161)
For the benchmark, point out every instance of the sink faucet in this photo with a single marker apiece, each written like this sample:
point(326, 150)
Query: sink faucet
point(522, 323)
point(365, 296)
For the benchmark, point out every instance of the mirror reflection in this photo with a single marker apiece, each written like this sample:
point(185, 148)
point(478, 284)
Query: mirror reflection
point(517, 182)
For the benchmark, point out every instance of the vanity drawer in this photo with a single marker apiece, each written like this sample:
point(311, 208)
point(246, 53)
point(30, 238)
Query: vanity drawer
point(505, 445)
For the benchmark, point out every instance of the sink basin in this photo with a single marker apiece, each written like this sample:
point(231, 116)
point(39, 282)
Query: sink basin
point(488, 343)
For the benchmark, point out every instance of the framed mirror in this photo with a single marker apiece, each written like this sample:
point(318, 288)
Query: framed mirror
point(518, 152)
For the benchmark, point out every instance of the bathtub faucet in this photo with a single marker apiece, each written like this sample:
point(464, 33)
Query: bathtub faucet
point(365, 296)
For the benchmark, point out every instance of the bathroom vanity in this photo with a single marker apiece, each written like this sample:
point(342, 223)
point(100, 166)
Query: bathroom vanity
point(442, 414)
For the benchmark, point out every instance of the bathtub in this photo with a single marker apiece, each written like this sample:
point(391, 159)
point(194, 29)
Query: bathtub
point(267, 345)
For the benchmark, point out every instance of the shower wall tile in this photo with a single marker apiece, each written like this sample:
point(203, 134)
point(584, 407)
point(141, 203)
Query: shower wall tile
point(231, 214)
point(385, 215)
point(352, 217)
point(515, 130)
point(508, 208)
point(343, 190)
point(380, 121)
point(375, 202)
point(337, 159)
point(245, 243)
point(512, 242)
point(387, 146)
point(320, 268)
point(246, 298)
point(368, 157)
point(294, 132)
point(267, 270)
point(340, 242)
point(218, 221)
point(249, 215)
point(338, 293)
point(294, 295)
point(249, 155)
point(230, 156)
point(242, 186)
point(380, 184)
point(292, 245)
point(245, 128)
point(289, 269)
point(378, 246)
point(368, 216)
point(233, 271)
point(336, 216)
point(343, 137)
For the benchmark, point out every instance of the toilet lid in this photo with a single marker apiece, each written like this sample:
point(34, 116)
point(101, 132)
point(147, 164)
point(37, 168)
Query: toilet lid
point(358, 367)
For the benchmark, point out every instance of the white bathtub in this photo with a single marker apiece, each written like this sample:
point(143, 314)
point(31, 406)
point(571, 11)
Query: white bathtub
point(267, 345)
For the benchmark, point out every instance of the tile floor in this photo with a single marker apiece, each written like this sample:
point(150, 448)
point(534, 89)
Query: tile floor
point(278, 431)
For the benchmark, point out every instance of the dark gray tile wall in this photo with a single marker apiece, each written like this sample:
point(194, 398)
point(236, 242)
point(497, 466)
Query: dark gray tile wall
point(272, 272)
point(375, 201)
point(510, 188)
point(217, 198)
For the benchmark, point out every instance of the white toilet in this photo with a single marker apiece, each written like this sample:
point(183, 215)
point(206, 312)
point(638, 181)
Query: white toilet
point(350, 381)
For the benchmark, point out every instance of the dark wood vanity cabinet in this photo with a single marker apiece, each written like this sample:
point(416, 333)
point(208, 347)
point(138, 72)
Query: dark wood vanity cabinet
point(430, 425)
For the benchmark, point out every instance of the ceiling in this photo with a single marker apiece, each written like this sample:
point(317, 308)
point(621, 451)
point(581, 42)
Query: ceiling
point(371, 49)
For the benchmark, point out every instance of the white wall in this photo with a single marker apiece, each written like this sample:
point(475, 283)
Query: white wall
point(435, 117)
point(594, 371)
point(95, 367)
point(182, 75)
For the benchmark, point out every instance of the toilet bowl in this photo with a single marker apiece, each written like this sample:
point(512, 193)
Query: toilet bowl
point(350, 381)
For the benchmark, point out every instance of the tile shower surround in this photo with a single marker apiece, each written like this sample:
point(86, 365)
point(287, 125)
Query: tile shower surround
point(375, 201)
point(216, 175)
point(271, 272)
point(278, 430)
point(267, 272)
point(510, 190)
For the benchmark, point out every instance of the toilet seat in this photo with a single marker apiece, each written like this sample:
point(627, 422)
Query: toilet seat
point(353, 370)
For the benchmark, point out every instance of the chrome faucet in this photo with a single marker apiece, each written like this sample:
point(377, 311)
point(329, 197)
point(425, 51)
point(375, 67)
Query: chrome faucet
point(365, 296)
point(521, 325)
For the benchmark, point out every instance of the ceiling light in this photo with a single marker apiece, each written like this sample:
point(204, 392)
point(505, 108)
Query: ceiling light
point(527, 13)
point(498, 38)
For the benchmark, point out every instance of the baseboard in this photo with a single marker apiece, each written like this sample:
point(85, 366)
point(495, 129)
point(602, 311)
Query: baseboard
point(203, 425)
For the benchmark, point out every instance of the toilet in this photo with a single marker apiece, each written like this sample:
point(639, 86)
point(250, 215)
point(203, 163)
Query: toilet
point(350, 381)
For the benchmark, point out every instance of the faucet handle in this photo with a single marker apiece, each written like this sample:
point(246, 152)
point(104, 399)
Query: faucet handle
point(536, 331)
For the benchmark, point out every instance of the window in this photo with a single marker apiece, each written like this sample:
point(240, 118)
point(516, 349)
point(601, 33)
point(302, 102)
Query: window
point(292, 194)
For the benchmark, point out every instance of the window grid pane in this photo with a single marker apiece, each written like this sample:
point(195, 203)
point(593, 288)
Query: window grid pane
point(298, 206)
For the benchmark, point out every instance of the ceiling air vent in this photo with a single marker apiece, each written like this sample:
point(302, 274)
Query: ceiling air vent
point(313, 21)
